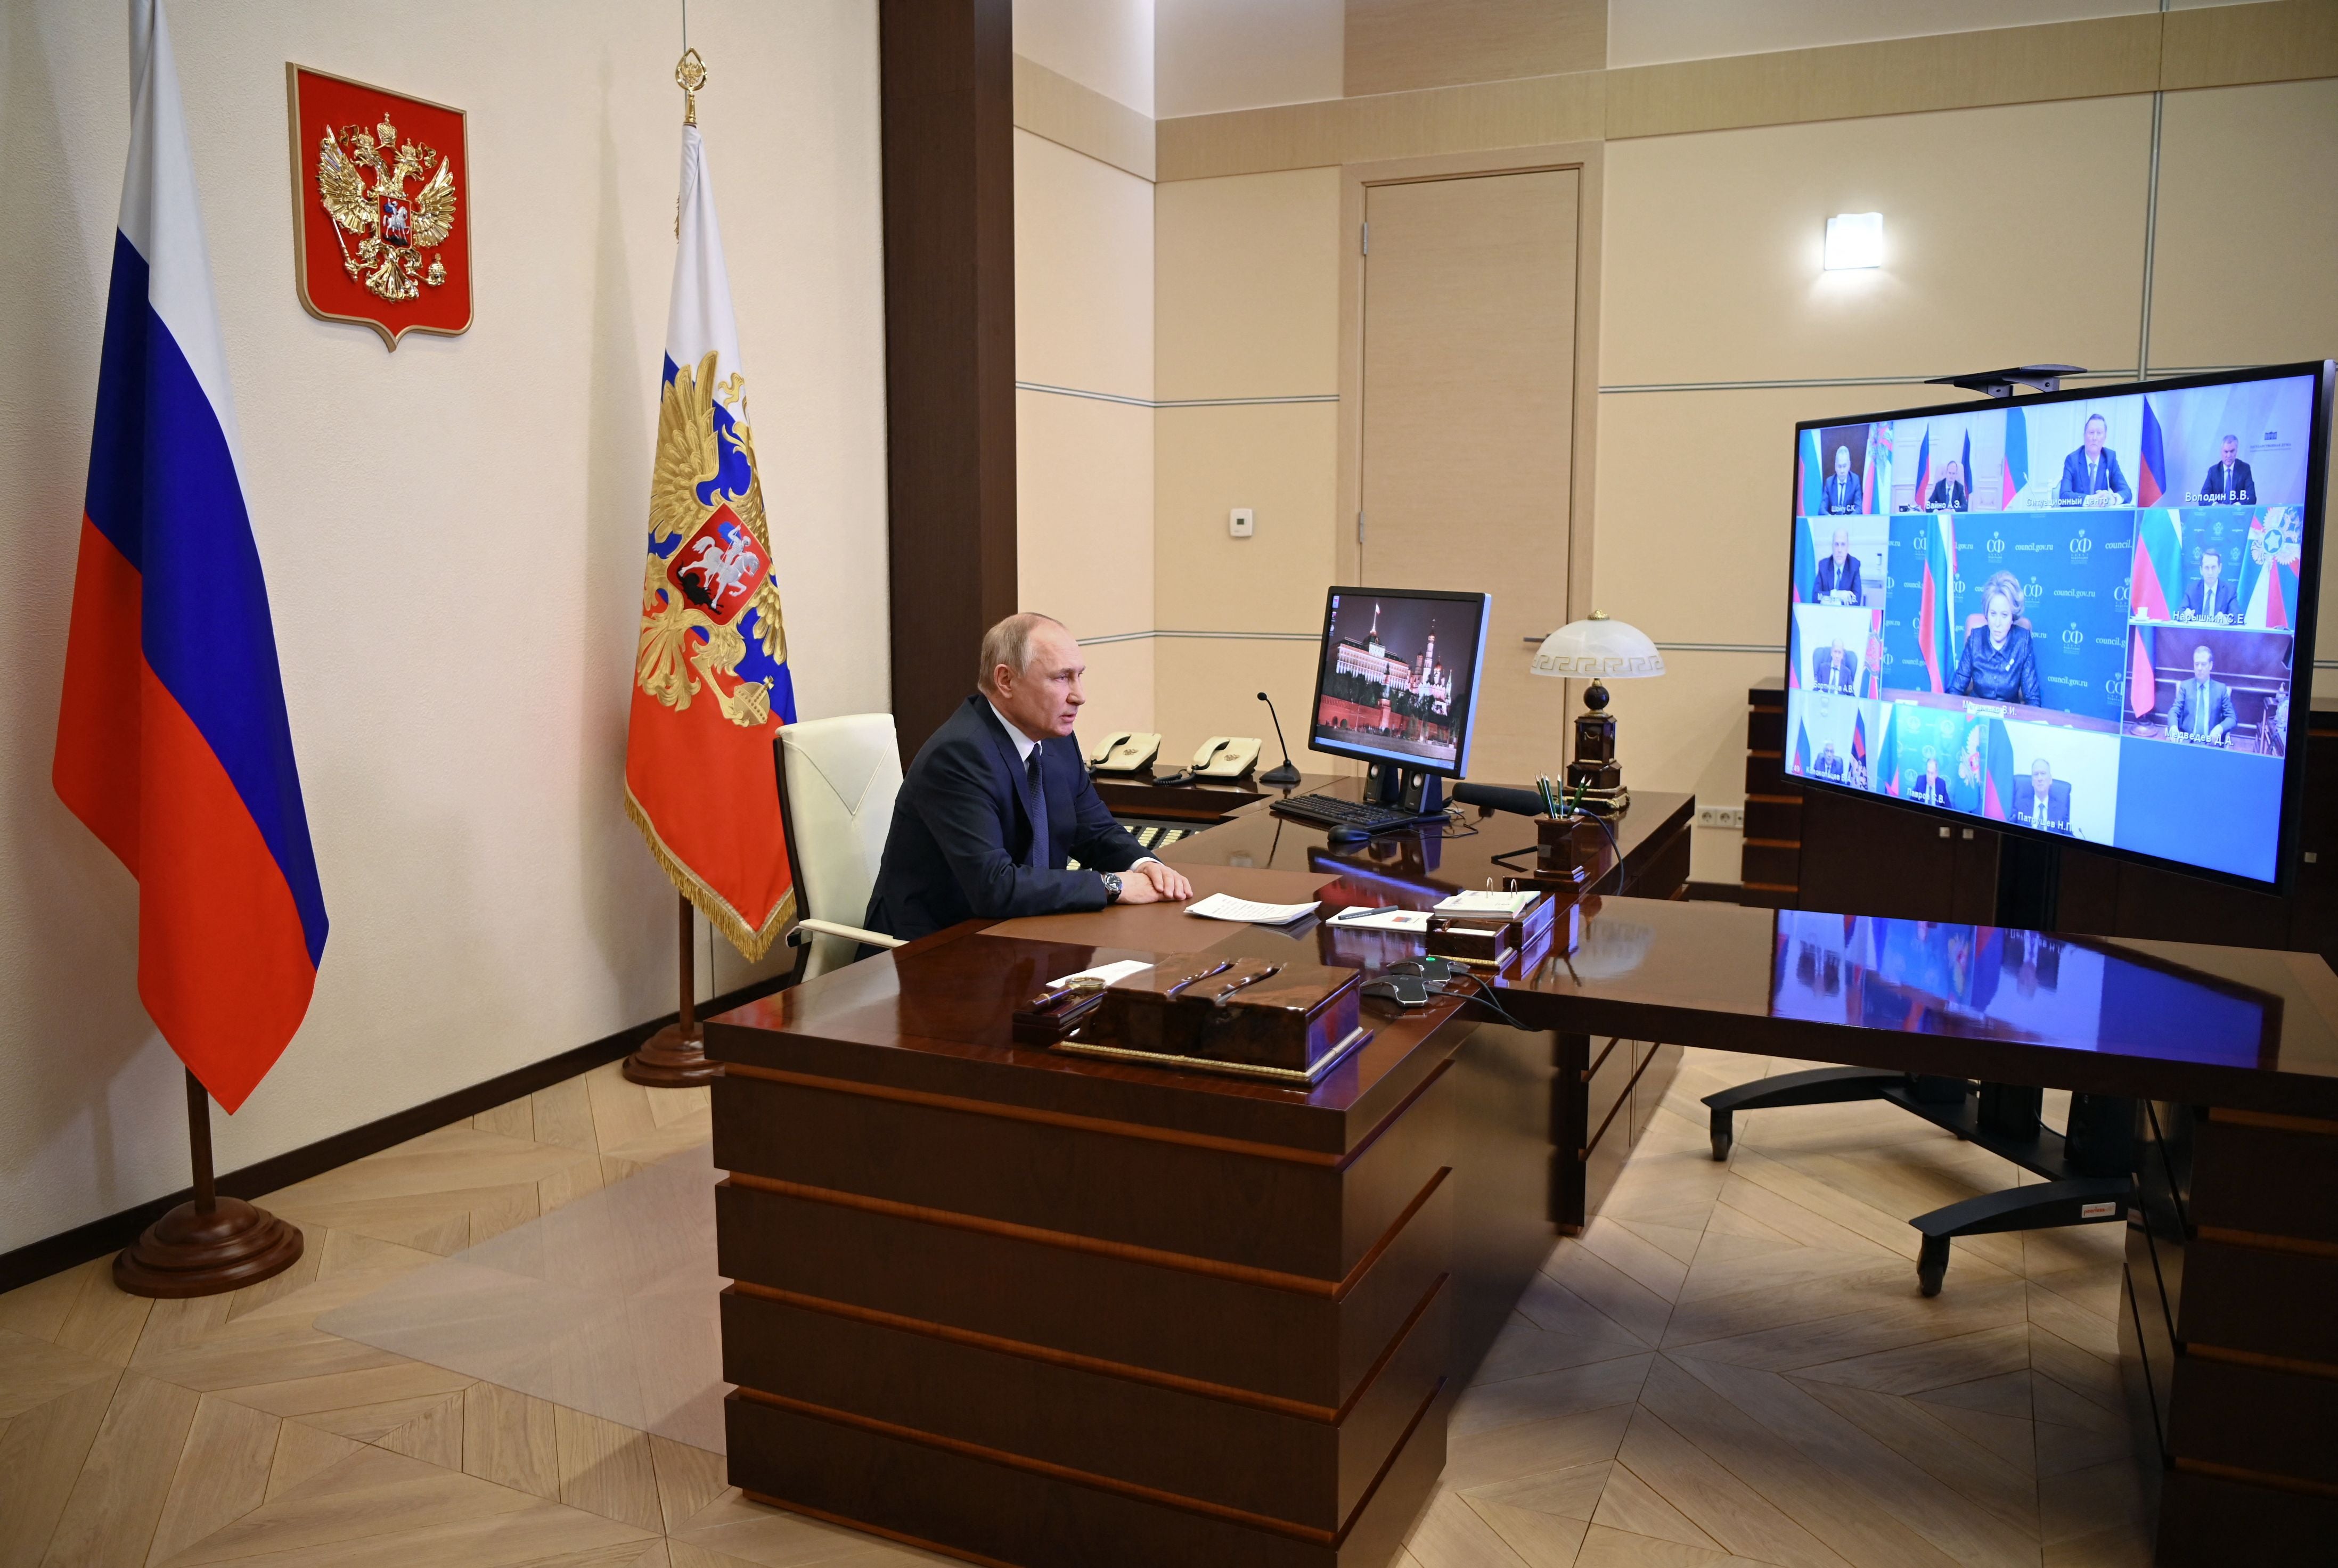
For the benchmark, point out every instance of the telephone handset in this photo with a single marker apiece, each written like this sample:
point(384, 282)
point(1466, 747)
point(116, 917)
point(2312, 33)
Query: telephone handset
point(1125, 751)
point(1227, 756)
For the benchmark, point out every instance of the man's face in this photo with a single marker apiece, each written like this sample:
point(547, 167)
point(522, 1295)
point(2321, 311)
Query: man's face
point(1045, 697)
point(1955, 471)
point(2042, 775)
point(2230, 451)
point(1841, 461)
point(2211, 568)
point(2202, 663)
point(1841, 549)
point(1932, 766)
point(1837, 649)
point(2095, 429)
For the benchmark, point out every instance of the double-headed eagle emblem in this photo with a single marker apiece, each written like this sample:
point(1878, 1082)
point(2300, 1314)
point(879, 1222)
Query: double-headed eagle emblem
point(704, 597)
point(361, 180)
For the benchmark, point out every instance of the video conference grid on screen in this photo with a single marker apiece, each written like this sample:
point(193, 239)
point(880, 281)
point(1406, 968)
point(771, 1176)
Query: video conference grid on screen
point(2076, 615)
point(1396, 675)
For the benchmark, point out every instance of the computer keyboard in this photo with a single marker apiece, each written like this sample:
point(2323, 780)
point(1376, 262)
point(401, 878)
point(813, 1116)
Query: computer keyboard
point(1332, 811)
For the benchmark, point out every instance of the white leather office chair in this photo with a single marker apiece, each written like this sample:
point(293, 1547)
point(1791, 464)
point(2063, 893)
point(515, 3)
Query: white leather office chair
point(837, 779)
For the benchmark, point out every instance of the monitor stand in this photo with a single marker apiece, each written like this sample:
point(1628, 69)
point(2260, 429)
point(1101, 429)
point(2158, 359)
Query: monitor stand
point(1414, 790)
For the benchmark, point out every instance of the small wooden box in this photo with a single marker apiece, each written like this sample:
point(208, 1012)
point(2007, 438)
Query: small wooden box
point(1207, 1007)
point(1487, 941)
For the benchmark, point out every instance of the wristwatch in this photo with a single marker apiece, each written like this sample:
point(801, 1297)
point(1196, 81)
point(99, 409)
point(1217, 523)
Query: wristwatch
point(1112, 886)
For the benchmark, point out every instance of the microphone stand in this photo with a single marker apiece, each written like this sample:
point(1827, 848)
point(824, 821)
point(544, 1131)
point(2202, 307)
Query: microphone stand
point(1284, 773)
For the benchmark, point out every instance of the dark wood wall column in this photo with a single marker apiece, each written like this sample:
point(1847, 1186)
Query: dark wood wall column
point(949, 107)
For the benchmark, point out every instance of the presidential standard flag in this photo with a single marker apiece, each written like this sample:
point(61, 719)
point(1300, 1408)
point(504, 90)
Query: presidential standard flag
point(711, 682)
point(172, 743)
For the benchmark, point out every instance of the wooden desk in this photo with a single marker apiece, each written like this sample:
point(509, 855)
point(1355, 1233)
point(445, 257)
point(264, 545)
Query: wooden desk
point(1038, 1309)
point(1606, 1089)
point(1139, 796)
point(2231, 1258)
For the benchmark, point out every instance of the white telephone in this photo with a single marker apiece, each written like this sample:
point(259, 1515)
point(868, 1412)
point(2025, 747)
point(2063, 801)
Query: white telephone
point(1125, 751)
point(1227, 756)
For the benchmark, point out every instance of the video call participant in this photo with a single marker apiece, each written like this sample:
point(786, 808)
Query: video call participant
point(999, 798)
point(2207, 597)
point(1949, 493)
point(1931, 788)
point(1841, 494)
point(1828, 765)
point(1998, 664)
point(2229, 482)
point(2093, 470)
point(2203, 706)
point(1838, 572)
point(1838, 670)
point(2041, 801)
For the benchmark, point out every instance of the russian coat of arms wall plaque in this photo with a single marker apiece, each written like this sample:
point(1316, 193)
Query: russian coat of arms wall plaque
point(380, 189)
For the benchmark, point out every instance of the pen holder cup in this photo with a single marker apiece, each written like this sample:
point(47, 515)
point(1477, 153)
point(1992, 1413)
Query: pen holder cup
point(1569, 850)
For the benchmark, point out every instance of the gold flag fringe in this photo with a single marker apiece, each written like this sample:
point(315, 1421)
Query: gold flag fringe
point(751, 943)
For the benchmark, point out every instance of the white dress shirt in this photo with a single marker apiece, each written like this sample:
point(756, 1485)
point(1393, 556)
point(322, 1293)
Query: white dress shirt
point(1025, 745)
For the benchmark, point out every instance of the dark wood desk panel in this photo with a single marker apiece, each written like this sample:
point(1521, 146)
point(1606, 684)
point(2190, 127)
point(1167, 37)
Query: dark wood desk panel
point(1204, 1318)
point(2234, 1236)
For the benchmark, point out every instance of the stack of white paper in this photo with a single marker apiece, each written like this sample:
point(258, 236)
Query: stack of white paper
point(1485, 901)
point(1223, 907)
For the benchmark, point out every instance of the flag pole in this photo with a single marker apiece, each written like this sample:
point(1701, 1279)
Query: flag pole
point(675, 1056)
point(209, 1244)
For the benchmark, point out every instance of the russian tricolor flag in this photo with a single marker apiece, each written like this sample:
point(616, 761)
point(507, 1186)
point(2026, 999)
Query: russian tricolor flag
point(172, 744)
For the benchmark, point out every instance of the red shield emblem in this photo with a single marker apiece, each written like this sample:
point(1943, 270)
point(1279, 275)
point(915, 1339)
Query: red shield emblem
point(381, 195)
point(719, 567)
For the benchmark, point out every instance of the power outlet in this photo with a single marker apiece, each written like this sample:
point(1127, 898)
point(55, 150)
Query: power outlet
point(1722, 816)
point(1241, 522)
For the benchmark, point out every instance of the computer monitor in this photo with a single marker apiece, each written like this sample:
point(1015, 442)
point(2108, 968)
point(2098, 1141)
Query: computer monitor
point(1396, 685)
point(2083, 617)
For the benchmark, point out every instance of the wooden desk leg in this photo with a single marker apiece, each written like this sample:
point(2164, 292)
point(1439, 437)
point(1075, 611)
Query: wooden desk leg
point(1569, 1129)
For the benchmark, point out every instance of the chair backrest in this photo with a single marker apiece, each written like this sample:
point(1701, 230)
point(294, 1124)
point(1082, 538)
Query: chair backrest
point(837, 779)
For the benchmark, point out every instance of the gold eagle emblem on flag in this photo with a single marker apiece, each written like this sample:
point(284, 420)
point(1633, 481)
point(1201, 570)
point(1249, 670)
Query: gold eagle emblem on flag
point(696, 599)
point(362, 185)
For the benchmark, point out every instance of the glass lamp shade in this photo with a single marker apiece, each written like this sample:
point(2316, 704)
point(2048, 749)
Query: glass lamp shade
point(1598, 649)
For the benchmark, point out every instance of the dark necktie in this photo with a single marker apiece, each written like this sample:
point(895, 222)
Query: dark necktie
point(1039, 857)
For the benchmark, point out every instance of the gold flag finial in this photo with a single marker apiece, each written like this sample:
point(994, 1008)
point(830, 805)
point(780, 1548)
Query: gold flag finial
point(690, 75)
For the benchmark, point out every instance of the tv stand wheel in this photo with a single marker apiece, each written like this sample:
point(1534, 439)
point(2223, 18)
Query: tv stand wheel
point(1724, 1133)
point(1931, 1265)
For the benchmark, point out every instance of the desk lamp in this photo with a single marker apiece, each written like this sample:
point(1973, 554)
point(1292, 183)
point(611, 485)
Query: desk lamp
point(1597, 650)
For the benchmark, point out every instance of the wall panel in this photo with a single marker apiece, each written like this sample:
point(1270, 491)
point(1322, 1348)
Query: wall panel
point(1247, 271)
point(1083, 271)
point(2011, 235)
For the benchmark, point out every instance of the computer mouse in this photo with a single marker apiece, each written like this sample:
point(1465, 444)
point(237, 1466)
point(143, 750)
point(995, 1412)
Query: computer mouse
point(1349, 836)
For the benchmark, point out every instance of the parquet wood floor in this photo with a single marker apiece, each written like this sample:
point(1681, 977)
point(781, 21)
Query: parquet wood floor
point(1732, 1368)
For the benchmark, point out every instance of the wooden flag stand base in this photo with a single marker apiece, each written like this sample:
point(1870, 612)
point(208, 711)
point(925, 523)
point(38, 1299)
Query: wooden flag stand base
point(675, 1056)
point(211, 1244)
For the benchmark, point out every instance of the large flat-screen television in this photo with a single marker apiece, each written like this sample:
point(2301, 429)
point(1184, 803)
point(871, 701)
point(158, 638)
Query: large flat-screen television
point(2086, 615)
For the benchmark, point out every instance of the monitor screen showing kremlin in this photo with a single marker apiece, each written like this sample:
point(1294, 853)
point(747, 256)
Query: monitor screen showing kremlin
point(1398, 677)
point(2083, 615)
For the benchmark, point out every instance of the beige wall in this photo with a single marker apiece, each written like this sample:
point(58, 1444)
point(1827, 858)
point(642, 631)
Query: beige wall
point(458, 668)
point(1084, 448)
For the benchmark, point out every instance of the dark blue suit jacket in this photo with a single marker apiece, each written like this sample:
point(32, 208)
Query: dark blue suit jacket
point(1840, 496)
point(960, 842)
point(2106, 477)
point(2244, 491)
point(2195, 597)
point(1826, 582)
point(2057, 804)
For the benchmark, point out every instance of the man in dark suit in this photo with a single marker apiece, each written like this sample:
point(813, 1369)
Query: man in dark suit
point(999, 799)
point(1931, 788)
point(2207, 595)
point(1949, 494)
point(1842, 493)
point(1827, 765)
point(1838, 670)
point(2229, 482)
point(2041, 801)
point(1838, 572)
point(2093, 469)
point(2203, 706)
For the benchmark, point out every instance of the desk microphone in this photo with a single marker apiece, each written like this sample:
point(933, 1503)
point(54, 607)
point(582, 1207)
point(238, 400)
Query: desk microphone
point(1285, 773)
point(1498, 798)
